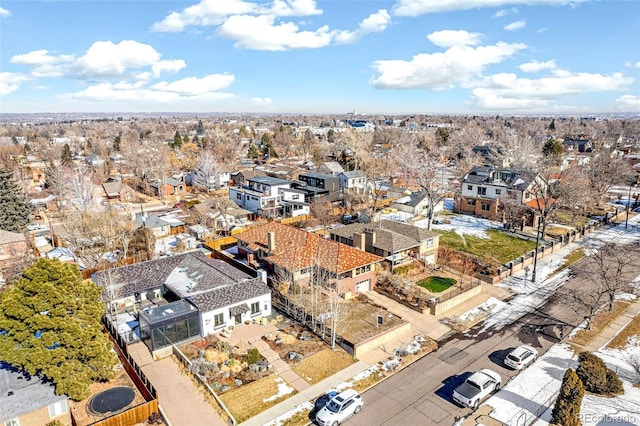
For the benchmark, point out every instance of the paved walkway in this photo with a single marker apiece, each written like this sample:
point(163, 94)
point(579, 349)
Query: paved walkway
point(614, 328)
point(177, 394)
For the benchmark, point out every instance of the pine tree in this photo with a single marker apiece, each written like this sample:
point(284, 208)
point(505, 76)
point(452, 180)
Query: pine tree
point(116, 143)
point(50, 322)
point(552, 148)
point(66, 158)
point(14, 207)
point(177, 140)
point(566, 411)
point(253, 152)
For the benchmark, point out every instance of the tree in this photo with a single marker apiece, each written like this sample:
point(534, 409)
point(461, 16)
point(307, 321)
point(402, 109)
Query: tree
point(14, 207)
point(208, 170)
point(596, 377)
point(177, 140)
point(50, 319)
point(253, 152)
point(609, 268)
point(116, 142)
point(605, 171)
point(66, 158)
point(267, 146)
point(552, 148)
point(331, 136)
point(566, 411)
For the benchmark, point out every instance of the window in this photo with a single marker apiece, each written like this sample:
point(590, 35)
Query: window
point(255, 308)
point(430, 242)
point(239, 196)
point(485, 207)
point(218, 320)
point(470, 187)
point(482, 190)
point(471, 202)
point(57, 408)
point(295, 197)
point(498, 191)
point(12, 422)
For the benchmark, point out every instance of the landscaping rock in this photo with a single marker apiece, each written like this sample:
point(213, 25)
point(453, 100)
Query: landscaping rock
point(291, 355)
point(224, 388)
point(237, 382)
point(278, 341)
point(268, 336)
point(254, 368)
point(298, 357)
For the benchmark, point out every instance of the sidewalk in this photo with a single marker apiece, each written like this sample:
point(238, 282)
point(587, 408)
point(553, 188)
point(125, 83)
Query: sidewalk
point(614, 328)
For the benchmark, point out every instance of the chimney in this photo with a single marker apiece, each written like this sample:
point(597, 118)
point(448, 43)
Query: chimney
point(358, 241)
point(370, 235)
point(271, 241)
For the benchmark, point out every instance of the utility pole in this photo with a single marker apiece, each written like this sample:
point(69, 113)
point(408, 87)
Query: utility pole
point(626, 221)
point(535, 256)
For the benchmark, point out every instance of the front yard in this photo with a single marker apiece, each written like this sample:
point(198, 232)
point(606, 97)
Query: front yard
point(254, 398)
point(497, 247)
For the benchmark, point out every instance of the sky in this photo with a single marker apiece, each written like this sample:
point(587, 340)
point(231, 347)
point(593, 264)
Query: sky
point(317, 56)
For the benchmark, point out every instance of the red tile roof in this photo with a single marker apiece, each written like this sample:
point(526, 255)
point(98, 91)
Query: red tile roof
point(296, 249)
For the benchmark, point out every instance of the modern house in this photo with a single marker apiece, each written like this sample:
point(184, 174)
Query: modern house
point(317, 185)
point(182, 296)
point(398, 243)
point(27, 400)
point(577, 144)
point(269, 197)
point(486, 189)
point(287, 251)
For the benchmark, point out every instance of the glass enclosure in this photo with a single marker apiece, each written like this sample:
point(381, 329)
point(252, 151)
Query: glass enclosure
point(166, 325)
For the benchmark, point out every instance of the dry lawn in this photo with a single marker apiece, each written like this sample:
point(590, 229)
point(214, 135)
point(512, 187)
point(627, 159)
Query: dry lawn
point(358, 321)
point(600, 321)
point(301, 418)
point(322, 365)
point(632, 329)
point(248, 400)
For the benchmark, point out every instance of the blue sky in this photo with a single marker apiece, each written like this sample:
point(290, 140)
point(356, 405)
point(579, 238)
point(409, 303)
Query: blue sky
point(315, 56)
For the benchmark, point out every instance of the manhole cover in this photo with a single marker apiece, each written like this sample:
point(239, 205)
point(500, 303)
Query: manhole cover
point(453, 355)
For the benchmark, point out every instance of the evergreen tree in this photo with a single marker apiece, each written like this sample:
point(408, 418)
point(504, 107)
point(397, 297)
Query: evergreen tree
point(267, 146)
point(331, 136)
point(116, 143)
point(552, 148)
point(177, 140)
point(253, 152)
point(50, 323)
point(200, 131)
point(66, 157)
point(566, 411)
point(552, 126)
point(14, 207)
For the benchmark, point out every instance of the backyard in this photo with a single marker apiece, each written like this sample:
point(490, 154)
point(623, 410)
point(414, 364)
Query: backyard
point(498, 246)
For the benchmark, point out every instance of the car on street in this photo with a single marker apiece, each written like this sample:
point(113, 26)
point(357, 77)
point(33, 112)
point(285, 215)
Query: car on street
point(521, 357)
point(340, 408)
point(477, 387)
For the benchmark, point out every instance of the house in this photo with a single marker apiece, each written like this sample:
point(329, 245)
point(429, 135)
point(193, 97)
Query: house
point(332, 168)
point(94, 160)
point(354, 181)
point(317, 185)
point(209, 183)
point(398, 243)
point(27, 400)
point(119, 191)
point(224, 213)
point(395, 192)
point(287, 251)
point(486, 189)
point(183, 296)
point(170, 186)
point(241, 178)
point(417, 203)
point(261, 195)
point(158, 227)
point(14, 252)
point(577, 144)
point(117, 158)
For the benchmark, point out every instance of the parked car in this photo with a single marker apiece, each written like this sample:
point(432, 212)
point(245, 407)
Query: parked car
point(477, 387)
point(341, 407)
point(521, 357)
point(323, 400)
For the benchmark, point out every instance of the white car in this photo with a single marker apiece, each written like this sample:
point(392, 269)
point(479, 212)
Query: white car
point(341, 407)
point(521, 357)
point(477, 387)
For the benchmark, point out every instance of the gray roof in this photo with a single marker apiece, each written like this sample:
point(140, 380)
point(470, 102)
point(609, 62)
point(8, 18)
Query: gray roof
point(7, 237)
point(30, 393)
point(415, 233)
point(353, 174)
point(113, 189)
point(230, 295)
point(518, 179)
point(334, 166)
point(150, 221)
point(392, 242)
point(268, 180)
point(168, 181)
point(416, 198)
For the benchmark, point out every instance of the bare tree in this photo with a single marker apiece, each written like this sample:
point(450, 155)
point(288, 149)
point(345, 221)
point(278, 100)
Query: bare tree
point(609, 268)
point(605, 171)
point(519, 152)
point(208, 169)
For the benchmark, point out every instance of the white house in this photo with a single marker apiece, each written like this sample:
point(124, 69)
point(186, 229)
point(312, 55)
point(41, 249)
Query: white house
point(261, 195)
point(293, 201)
point(353, 181)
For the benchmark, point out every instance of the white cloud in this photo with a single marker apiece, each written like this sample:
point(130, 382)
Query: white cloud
point(505, 12)
point(215, 12)
point(167, 66)
point(516, 25)
point(104, 58)
point(421, 7)
point(374, 23)
point(4, 12)
point(632, 65)
point(457, 65)
point(11, 81)
point(194, 86)
point(535, 66)
point(448, 38)
point(262, 33)
point(508, 91)
point(261, 101)
point(629, 103)
point(44, 64)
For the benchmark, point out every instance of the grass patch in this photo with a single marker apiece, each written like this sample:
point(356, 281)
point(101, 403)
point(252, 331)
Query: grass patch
point(323, 364)
point(300, 418)
point(500, 246)
point(437, 284)
point(248, 400)
point(600, 321)
point(632, 329)
point(569, 260)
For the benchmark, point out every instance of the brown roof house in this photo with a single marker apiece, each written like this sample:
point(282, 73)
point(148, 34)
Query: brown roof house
point(399, 243)
point(283, 249)
point(14, 253)
point(119, 191)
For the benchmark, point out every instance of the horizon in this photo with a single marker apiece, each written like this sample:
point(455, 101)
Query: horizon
point(308, 57)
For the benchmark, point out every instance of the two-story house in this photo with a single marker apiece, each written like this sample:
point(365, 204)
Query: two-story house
point(486, 188)
point(353, 181)
point(170, 186)
point(318, 185)
point(292, 253)
point(398, 243)
point(269, 197)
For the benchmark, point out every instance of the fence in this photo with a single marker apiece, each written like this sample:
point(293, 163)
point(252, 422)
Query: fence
point(186, 362)
point(527, 418)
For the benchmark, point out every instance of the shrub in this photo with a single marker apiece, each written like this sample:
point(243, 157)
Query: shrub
point(596, 377)
point(253, 356)
point(567, 407)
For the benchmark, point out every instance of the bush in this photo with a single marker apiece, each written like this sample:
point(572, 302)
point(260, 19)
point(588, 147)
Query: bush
point(596, 377)
point(566, 410)
point(253, 356)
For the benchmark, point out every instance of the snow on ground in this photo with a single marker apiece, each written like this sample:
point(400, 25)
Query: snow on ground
point(463, 225)
point(128, 326)
point(532, 392)
point(283, 389)
point(278, 421)
point(491, 305)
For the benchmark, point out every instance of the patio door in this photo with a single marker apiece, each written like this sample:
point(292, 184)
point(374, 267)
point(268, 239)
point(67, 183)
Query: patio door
point(238, 318)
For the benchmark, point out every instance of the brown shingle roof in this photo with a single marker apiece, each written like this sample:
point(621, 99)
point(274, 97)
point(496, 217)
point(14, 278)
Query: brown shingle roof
point(296, 249)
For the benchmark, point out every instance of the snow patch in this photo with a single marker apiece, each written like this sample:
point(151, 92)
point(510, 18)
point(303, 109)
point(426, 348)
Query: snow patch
point(283, 389)
point(278, 421)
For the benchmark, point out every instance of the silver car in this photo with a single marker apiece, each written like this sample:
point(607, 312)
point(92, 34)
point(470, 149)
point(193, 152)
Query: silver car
point(341, 407)
point(521, 357)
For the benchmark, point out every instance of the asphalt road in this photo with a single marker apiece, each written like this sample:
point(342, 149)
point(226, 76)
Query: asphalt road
point(421, 393)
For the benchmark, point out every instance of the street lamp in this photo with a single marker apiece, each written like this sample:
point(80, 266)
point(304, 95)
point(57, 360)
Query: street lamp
point(626, 221)
point(535, 256)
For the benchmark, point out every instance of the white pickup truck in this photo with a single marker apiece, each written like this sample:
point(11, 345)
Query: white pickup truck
point(477, 386)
